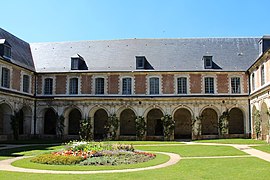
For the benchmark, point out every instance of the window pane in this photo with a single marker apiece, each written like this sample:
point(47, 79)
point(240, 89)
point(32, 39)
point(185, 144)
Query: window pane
point(126, 86)
point(154, 85)
point(253, 81)
point(235, 84)
point(209, 85)
point(26, 82)
point(74, 64)
point(73, 86)
point(262, 75)
point(99, 83)
point(48, 86)
point(5, 78)
point(182, 85)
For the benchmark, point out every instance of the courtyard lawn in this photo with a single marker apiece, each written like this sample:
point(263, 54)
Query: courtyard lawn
point(227, 168)
point(145, 142)
point(232, 141)
point(264, 148)
point(195, 150)
point(195, 168)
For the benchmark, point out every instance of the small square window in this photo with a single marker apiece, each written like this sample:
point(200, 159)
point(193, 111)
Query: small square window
point(207, 62)
point(7, 51)
point(140, 62)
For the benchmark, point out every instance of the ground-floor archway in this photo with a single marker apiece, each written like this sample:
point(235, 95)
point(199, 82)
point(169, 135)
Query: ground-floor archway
point(100, 119)
point(154, 124)
point(50, 118)
point(209, 122)
point(236, 121)
point(74, 118)
point(5, 119)
point(183, 128)
point(127, 123)
point(265, 121)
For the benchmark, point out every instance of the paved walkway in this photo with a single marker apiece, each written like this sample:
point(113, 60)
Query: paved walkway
point(174, 158)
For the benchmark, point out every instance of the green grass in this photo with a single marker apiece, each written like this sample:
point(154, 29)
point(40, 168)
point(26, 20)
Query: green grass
point(236, 168)
point(145, 142)
point(25, 163)
point(215, 168)
point(4, 157)
point(232, 141)
point(195, 150)
point(264, 148)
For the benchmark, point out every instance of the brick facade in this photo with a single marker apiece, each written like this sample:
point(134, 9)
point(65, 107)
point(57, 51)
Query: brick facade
point(222, 83)
point(86, 84)
point(140, 84)
point(195, 83)
point(113, 84)
point(16, 77)
point(168, 83)
point(61, 84)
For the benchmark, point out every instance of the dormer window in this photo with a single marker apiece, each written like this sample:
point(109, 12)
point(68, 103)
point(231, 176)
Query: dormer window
point(5, 49)
point(74, 63)
point(78, 63)
point(140, 62)
point(207, 62)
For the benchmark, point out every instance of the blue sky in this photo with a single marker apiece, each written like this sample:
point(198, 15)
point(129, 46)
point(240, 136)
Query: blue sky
point(75, 20)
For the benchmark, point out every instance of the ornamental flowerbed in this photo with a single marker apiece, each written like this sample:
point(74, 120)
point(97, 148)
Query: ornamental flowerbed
point(91, 153)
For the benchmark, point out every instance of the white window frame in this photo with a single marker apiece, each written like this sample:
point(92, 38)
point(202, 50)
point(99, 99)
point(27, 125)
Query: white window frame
point(53, 86)
point(148, 84)
point(79, 85)
point(10, 76)
point(132, 85)
point(241, 83)
point(22, 82)
point(253, 82)
point(176, 83)
point(214, 84)
point(105, 84)
point(263, 78)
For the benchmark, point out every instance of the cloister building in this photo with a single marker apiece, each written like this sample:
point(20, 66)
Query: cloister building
point(189, 78)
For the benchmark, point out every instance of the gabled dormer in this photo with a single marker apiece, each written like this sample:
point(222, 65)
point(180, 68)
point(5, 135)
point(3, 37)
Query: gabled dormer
point(78, 63)
point(5, 49)
point(142, 63)
point(208, 62)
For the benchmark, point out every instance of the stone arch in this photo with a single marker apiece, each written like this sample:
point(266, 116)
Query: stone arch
point(5, 119)
point(25, 123)
point(74, 118)
point(95, 109)
point(265, 121)
point(127, 122)
point(183, 120)
point(152, 107)
point(121, 109)
point(50, 118)
point(236, 121)
point(154, 124)
point(209, 122)
point(100, 118)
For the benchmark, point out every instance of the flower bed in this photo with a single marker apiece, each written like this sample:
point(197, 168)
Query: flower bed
point(89, 153)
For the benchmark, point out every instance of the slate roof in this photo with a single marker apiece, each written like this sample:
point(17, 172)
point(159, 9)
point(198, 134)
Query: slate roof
point(229, 54)
point(20, 50)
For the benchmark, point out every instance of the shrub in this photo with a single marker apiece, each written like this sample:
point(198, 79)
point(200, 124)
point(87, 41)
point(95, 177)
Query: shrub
point(56, 159)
